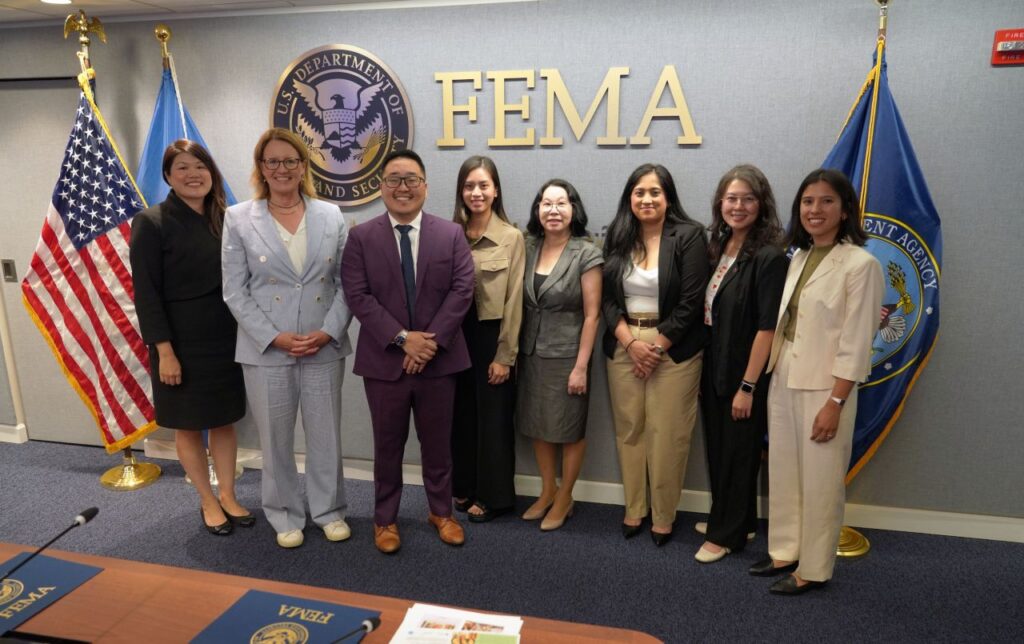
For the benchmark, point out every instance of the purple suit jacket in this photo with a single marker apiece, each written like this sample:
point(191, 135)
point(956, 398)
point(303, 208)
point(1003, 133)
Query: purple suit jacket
point(371, 276)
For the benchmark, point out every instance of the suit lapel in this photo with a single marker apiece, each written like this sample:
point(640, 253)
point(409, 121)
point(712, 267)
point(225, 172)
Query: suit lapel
point(316, 225)
point(532, 255)
point(795, 268)
point(561, 266)
point(423, 254)
point(388, 248)
point(833, 260)
point(666, 268)
point(263, 224)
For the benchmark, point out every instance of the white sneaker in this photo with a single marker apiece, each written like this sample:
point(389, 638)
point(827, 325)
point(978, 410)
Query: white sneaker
point(702, 527)
point(290, 539)
point(337, 531)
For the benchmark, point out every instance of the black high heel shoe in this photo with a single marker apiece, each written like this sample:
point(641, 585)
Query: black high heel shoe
point(660, 538)
point(221, 530)
point(630, 531)
point(244, 521)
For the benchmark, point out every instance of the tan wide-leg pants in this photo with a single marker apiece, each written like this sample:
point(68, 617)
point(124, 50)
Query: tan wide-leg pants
point(654, 421)
point(806, 480)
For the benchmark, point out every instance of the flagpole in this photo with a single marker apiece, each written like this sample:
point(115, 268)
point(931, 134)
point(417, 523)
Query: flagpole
point(130, 475)
point(163, 35)
point(853, 544)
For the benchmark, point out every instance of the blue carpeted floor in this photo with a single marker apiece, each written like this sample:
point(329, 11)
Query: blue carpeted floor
point(910, 588)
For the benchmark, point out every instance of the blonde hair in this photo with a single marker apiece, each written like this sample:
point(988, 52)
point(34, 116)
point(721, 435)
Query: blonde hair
point(292, 139)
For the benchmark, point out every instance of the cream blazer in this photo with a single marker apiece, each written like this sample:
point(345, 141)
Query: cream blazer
point(840, 308)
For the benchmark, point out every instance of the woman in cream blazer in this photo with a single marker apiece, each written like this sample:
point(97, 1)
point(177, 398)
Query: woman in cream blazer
point(821, 349)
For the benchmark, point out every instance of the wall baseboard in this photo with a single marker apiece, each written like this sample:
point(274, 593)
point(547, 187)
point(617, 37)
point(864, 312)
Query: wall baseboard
point(950, 524)
point(13, 433)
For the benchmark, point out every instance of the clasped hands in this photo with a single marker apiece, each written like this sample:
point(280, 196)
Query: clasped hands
point(299, 345)
point(420, 348)
point(645, 358)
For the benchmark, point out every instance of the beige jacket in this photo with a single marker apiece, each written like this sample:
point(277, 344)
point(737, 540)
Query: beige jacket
point(499, 258)
point(837, 319)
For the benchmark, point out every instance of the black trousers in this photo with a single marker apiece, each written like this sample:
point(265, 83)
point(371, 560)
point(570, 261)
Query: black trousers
point(734, 458)
point(483, 440)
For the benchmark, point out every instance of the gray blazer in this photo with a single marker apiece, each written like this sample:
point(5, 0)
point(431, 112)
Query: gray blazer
point(265, 294)
point(553, 316)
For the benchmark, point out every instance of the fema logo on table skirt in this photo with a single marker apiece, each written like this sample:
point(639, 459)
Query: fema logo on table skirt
point(911, 280)
point(351, 110)
point(10, 589)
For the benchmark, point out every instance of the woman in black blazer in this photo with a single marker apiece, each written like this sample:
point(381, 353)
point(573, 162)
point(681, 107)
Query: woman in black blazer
point(741, 306)
point(654, 276)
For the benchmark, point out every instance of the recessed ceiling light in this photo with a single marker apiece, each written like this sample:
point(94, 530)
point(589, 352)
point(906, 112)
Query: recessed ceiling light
point(56, 1)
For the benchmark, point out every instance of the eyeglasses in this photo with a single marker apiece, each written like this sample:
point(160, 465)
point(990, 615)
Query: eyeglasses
point(411, 181)
point(560, 206)
point(746, 200)
point(274, 164)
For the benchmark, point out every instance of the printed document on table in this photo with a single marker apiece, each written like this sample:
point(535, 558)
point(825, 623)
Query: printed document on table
point(427, 624)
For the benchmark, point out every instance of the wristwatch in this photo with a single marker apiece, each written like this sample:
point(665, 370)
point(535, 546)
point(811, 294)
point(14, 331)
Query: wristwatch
point(399, 340)
point(660, 350)
point(747, 387)
point(838, 401)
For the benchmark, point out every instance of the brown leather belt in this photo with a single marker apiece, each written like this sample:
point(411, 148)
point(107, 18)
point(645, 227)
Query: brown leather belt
point(643, 323)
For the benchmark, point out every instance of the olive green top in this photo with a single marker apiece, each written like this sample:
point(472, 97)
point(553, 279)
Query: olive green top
point(818, 253)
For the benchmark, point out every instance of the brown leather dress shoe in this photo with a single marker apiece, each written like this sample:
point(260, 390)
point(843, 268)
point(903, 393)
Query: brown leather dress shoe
point(448, 529)
point(386, 538)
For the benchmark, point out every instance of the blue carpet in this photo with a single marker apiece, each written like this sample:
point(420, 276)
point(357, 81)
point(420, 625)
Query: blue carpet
point(910, 588)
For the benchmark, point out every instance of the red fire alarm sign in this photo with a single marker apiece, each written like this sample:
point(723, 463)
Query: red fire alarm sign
point(1008, 47)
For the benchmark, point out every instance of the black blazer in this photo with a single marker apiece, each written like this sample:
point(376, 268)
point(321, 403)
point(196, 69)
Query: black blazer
point(747, 302)
point(682, 278)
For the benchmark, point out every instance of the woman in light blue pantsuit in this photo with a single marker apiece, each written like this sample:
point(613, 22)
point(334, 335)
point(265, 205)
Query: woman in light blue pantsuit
point(281, 254)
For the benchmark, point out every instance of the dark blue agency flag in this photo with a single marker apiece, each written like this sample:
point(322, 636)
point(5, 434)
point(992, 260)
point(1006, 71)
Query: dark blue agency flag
point(171, 121)
point(905, 235)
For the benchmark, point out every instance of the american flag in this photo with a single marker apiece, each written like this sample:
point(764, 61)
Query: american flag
point(78, 289)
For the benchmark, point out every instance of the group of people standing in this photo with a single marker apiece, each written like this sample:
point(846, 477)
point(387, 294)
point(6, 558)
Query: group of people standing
point(478, 333)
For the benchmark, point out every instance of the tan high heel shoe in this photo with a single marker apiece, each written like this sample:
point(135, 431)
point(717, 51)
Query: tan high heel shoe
point(548, 525)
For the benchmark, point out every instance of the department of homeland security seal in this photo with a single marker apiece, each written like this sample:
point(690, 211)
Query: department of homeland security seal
point(351, 110)
point(10, 589)
point(912, 278)
point(281, 633)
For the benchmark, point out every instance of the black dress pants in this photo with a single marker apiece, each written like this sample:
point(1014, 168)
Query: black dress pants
point(483, 440)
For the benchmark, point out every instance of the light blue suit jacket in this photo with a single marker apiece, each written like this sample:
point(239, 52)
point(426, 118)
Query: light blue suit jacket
point(266, 295)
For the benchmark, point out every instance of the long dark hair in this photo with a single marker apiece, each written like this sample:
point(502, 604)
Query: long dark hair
point(578, 223)
point(215, 202)
point(461, 214)
point(623, 241)
point(767, 229)
point(851, 229)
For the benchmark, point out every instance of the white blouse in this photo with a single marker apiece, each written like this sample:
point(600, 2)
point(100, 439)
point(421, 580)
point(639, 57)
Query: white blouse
point(640, 286)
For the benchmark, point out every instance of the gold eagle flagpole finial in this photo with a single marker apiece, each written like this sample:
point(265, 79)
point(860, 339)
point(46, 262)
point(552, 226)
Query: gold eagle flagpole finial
point(84, 26)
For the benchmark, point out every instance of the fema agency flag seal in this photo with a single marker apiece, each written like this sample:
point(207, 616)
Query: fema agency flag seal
point(905, 235)
point(351, 110)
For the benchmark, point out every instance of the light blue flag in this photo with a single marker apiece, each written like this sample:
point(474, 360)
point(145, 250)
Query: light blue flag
point(166, 128)
point(906, 236)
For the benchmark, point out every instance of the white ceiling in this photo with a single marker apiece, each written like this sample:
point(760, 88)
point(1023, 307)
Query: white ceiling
point(13, 12)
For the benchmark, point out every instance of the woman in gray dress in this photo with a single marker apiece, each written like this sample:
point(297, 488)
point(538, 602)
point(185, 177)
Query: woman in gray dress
point(561, 309)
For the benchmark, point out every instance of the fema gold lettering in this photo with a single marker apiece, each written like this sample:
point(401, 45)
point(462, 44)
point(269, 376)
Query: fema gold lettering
point(304, 614)
point(669, 80)
point(558, 94)
point(449, 108)
point(501, 107)
point(22, 604)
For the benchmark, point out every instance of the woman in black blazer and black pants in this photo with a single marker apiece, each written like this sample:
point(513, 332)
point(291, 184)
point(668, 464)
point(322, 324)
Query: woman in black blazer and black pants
point(741, 307)
point(654, 276)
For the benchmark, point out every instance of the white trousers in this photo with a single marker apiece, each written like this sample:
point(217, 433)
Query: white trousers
point(806, 480)
point(275, 396)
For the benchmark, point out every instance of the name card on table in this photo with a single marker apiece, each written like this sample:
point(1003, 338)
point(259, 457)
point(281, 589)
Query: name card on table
point(39, 584)
point(267, 617)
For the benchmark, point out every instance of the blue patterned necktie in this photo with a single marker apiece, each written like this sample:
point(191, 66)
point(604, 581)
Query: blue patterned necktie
point(408, 270)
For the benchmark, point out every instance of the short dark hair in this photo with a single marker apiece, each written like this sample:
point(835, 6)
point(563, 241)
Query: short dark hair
point(461, 215)
point(578, 223)
point(851, 229)
point(403, 154)
point(215, 201)
point(766, 231)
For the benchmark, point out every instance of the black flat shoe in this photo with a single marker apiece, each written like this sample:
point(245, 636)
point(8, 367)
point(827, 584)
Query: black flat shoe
point(462, 506)
point(788, 586)
point(489, 514)
point(221, 530)
point(630, 531)
point(244, 521)
point(660, 538)
point(767, 568)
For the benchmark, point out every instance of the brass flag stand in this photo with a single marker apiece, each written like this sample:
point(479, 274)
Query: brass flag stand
point(130, 475)
point(853, 544)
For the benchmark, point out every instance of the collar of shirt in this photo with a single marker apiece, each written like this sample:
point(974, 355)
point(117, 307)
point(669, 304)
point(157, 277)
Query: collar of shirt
point(415, 223)
point(493, 232)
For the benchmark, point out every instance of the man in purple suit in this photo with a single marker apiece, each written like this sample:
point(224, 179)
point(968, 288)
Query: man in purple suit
point(408, 279)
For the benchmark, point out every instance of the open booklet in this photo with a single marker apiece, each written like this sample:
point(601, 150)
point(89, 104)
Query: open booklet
point(427, 624)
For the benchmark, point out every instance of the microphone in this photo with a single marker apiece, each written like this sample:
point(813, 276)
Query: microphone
point(86, 516)
point(369, 625)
